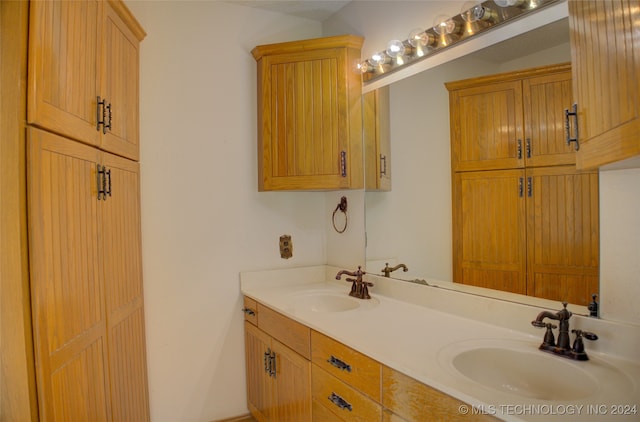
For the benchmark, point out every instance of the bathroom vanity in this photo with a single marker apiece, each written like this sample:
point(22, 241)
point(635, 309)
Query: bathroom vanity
point(416, 353)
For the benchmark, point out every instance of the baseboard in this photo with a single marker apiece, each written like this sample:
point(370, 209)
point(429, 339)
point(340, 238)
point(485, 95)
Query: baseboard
point(242, 418)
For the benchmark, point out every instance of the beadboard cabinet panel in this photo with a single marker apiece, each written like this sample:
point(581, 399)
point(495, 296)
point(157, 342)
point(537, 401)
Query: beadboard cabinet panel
point(605, 39)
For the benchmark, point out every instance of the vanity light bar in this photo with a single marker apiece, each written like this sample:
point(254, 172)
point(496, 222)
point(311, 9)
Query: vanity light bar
point(474, 19)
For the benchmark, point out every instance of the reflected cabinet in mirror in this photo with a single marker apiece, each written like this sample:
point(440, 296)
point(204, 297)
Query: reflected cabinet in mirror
point(485, 188)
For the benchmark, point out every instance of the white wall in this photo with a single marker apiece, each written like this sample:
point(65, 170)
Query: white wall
point(203, 218)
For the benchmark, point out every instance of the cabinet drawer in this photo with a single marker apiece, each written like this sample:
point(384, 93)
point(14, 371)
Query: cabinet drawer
point(287, 331)
point(417, 402)
point(343, 362)
point(327, 389)
point(250, 309)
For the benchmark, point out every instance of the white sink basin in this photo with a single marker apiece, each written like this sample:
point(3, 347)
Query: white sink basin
point(527, 374)
point(520, 369)
point(324, 301)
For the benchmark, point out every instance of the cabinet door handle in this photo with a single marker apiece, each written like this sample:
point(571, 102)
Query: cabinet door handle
point(108, 125)
point(272, 364)
point(343, 163)
point(567, 125)
point(383, 165)
point(529, 186)
point(528, 147)
point(519, 149)
point(249, 311)
point(339, 364)
point(267, 361)
point(520, 187)
point(108, 185)
point(340, 402)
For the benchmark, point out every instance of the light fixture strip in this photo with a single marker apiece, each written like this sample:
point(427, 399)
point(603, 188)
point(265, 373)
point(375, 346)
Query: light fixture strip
point(475, 18)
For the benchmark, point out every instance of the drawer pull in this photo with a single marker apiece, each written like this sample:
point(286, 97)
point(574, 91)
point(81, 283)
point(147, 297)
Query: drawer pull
point(339, 364)
point(340, 402)
point(249, 311)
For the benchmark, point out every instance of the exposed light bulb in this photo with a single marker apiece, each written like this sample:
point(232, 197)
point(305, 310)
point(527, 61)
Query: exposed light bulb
point(508, 3)
point(395, 48)
point(443, 24)
point(472, 11)
point(380, 58)
point(364, 67)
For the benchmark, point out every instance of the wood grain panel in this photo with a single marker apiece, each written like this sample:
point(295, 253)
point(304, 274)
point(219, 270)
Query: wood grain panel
point(605, 38)
point(362, 408)
point(490, 229)
point(121, 240)
point(259, 391)
point(486, 126)
point(291, 333)
point(292, 385)
point(363, 373)
point(417, 402)
point(309, 112)
point(544, 99)
point(69, 315)
point(17, 368)
point(120, 83)
point(64, 74)
point(563, 234)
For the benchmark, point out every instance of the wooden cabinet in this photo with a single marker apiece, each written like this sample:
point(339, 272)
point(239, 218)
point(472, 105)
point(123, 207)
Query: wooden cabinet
point(511, 120)
point(605, 39)
point(309, 115)
point(524, 220)
point(377, 139)
point(86, 282)
point(410, 400)
point(532, 232)
point(489, 229)
point(339, 384)
point(83, 69)
point(345, 383)
point(278, 376)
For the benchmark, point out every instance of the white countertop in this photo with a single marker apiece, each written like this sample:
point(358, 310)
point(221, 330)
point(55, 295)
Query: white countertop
point(419, 341)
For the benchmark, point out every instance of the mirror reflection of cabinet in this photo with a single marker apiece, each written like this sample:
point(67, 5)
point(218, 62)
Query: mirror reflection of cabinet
point(377, 139)
point(511, 120)
point(524, 220)
point(604, 49)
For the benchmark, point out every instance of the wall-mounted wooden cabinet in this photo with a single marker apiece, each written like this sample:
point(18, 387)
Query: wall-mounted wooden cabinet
point(524, 220)
point(309, 115)
point(605, 39)
point(511, 120)
point(83, 70)
point(377, 139)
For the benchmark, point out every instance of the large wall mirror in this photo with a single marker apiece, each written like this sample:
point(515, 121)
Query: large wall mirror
point(411, 223)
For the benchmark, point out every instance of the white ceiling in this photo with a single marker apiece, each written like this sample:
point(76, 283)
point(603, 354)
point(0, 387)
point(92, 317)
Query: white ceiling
point(317, 10)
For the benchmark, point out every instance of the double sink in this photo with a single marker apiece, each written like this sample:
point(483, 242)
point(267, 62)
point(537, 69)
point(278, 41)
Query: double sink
point(514, 368)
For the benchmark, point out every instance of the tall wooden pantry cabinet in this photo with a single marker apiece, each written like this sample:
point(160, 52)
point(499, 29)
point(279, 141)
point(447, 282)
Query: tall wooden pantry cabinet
point(78, 294)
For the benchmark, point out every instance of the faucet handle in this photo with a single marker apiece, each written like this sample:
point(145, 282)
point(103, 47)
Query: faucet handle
point(586, 334)
point(538, 324)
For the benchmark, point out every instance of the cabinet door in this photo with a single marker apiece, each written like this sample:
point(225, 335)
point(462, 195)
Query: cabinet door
point(305, 126)
point(292, 385)
point(67, 288)
point(486, 127)
point(120, 85)
point(489, 230)
point(605, 40)
point(259, 390)
point(544, 99)
point(563, 240)
point(64, 43)
point(120, 218)
point(376, 131)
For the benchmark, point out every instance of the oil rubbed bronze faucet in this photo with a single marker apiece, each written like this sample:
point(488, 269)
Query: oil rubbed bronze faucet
point(387, 270)
point(563, 346)
point(359, 288)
